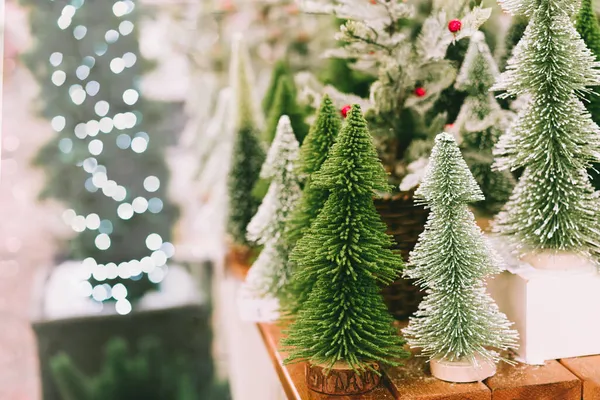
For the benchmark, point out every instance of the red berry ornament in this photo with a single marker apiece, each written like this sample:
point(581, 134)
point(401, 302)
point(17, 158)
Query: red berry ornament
point(455, 25)
point(345, 110)
point(420, 92)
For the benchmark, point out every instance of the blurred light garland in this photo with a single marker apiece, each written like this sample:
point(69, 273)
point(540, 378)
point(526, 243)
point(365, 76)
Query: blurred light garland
point(154, 265)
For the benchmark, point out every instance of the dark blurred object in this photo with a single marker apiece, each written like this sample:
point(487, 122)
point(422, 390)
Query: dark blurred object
point(183, 331)
point(150, 374)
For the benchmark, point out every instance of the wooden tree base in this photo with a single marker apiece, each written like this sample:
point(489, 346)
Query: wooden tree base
point(341, 379)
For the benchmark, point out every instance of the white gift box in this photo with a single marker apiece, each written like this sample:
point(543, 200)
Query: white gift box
point(554, 302)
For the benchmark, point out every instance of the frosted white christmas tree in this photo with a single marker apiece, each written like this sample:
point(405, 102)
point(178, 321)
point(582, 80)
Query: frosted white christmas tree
point(480, 123)
point(271, 271)
point(554, 139)
point(457, 322)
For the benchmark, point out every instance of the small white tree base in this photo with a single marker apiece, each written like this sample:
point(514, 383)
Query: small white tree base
point(462, 371)
point(555, 308)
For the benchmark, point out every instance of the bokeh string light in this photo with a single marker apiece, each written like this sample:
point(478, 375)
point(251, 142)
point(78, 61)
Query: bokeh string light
point(95, 133)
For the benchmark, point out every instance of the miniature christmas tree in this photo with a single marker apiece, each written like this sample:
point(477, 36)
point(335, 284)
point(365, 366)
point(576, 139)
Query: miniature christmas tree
point(589, 29)
point(285, 103)
point(280, 69)
point(554, 138)
point(457, 319)
point(248, 153)
point(106, 159)
point(480, 123)
point(343, 258)
point(270, 272)
point(313, 154)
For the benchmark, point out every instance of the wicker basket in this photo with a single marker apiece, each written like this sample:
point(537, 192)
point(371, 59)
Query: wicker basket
point(405, 222)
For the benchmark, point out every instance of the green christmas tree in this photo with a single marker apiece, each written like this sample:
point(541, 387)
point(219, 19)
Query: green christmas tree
point(106, 160)
point(457, 319)
point(284, 103)
point(248, 153)
point(313, 154)
point(554, 138)
point(589, 29)
point(480, 123)
point(343, 258)
point(271, 271)
point(280, 69)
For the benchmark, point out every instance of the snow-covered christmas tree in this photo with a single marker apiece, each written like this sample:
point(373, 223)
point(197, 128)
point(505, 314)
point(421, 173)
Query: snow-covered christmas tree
point(480, 123)
point(457, 321)
point(271, 271)
point(554, 139)
point(411, 72)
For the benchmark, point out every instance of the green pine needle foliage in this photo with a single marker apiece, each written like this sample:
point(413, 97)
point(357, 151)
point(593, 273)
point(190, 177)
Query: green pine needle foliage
point(285, 103)
point(457, 319)
point(554, 138)
point(343, 258)
point(280, 69)
point(248, 157)
point(480, 124)
point(71, 383)
point(513, 36)
point(589, 29)
point(148, 374)
point(313, 154)
point(321, 137)
point(340, 75)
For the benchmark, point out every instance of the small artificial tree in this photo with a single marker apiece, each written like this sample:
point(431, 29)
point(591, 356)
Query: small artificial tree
point(313, 154)
point(270, 272)
point(343, 258)
point(457, 320)
point(284, 103)
point(280, 69)
point(248, 153)
point(589, 29)
point(554, 138)
point(480, 123)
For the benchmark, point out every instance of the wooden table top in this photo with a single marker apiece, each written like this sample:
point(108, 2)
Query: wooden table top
point(566, 379)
